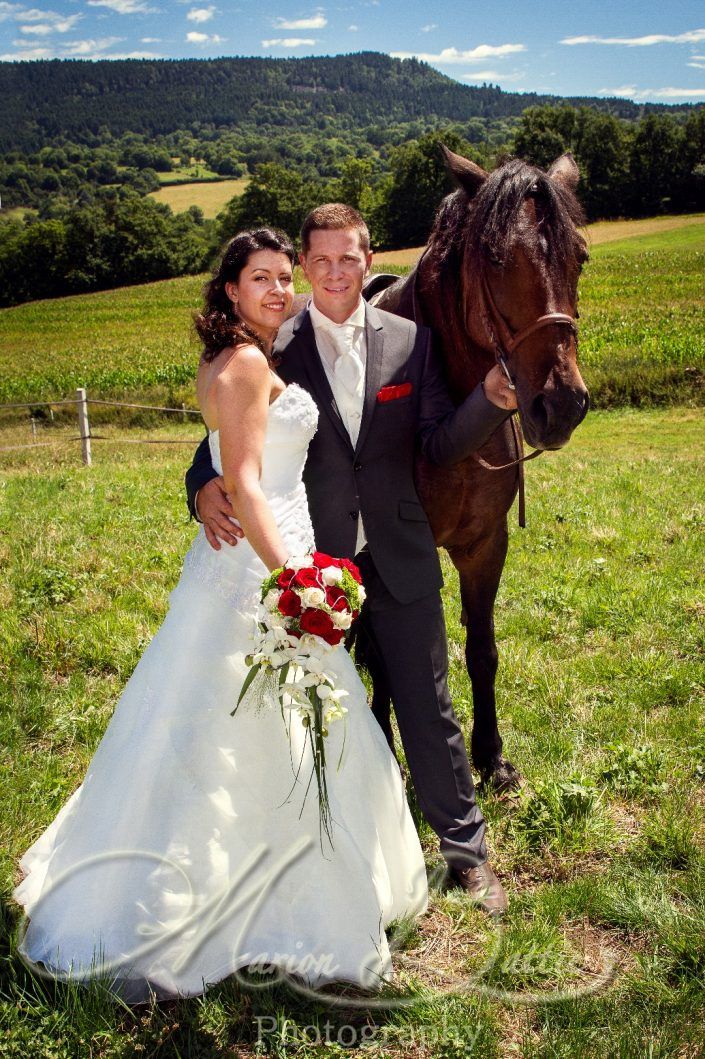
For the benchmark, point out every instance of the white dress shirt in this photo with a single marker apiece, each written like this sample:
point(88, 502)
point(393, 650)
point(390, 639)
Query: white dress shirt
point(343, 352)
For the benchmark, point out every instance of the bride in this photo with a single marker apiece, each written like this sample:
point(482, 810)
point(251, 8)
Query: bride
point(190, 851)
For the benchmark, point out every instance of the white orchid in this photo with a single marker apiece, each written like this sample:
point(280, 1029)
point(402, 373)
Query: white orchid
point(298, 562)
point(271, 600)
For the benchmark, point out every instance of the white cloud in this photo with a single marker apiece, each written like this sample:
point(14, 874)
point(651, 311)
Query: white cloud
point(29, 53)
point(429, 27)
point(150, 40)
point(57, 25)
point(693, 36)
point(88, 49)
point(315, 22)
point(632, 92)
point(8, 10)
point(353, 28)
point(451, 56)
point(288, 42)
point(194, 37)
point(491, 75)
point(122, 7)
point(132, 55)
point(201, 14)
point(697, 66)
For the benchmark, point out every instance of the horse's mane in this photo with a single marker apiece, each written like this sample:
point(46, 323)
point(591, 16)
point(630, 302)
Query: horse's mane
point(480, 230)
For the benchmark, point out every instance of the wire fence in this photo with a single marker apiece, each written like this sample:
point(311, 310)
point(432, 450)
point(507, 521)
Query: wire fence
point(85, 435)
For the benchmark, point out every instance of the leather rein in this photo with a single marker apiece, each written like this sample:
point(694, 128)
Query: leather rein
point(506, 342)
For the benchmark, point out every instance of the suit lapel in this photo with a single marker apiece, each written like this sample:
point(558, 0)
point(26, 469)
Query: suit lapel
point(374, 333)
point(310, 360)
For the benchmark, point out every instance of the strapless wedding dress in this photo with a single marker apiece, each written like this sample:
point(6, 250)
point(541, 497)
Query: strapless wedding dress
point(189, 851)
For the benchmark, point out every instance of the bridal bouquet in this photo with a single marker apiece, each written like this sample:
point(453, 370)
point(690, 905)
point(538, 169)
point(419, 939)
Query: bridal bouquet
point(305, 609)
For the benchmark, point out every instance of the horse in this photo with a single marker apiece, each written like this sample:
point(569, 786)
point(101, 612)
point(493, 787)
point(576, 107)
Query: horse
point(497, 282)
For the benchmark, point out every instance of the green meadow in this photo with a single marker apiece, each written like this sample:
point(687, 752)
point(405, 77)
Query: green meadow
point(642, 317)
point(600, 631)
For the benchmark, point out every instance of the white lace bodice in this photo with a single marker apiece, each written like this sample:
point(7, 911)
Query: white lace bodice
point(236, 573)
point(292, 422)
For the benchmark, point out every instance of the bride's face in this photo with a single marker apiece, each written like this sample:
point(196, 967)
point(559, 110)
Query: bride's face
point(264, 291)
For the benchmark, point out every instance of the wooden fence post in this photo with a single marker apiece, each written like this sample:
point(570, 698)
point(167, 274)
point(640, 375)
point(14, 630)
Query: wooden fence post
point(84, 425)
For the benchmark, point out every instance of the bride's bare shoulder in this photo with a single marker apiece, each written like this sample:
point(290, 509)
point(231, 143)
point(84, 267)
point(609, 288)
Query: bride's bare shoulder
point(231, 368)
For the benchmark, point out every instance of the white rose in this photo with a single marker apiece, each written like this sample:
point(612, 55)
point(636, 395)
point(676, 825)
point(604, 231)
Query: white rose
point(331, 575)
point(313, 597)
point(361, 593)
point(341, 620)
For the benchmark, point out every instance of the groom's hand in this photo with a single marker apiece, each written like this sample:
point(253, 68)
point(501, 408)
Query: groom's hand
point(215, 511)
point(497, 389)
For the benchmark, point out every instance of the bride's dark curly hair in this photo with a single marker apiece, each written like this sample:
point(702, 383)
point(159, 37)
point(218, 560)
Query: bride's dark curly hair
point(218, 324)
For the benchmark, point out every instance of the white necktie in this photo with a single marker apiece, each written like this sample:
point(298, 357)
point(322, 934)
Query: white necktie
point(348, 368)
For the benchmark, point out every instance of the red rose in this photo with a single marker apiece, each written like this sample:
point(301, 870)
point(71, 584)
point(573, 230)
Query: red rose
point(334, 637)
point(307, 578)
point(322, 559)
point(318, 623)
point(336, 599)
point(284, 579)
point(290, 604)
point(352, 568)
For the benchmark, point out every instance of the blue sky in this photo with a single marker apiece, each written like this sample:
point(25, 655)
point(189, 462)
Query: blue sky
point(651, 50)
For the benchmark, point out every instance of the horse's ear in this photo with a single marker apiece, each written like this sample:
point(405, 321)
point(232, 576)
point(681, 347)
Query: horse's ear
point(465, 173)
point(565, 171)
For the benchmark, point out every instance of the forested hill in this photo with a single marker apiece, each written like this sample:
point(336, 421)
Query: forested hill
point(80, 100)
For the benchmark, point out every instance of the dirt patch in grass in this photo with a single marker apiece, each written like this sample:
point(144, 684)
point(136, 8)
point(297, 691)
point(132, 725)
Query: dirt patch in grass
point(612, 231)
point(600, 232)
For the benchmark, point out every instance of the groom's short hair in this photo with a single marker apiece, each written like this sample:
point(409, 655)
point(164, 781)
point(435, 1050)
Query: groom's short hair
point(337, 216)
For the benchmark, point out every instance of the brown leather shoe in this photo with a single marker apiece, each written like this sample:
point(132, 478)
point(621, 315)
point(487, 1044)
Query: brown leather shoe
point(483, 886)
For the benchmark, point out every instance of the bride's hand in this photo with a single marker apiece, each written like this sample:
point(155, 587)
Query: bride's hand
point(215, 511)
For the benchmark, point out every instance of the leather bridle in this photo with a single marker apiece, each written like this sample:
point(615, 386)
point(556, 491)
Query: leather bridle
point(506, 342)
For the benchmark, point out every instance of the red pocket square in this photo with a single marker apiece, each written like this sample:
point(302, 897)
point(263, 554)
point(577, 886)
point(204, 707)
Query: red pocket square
point(393, 393)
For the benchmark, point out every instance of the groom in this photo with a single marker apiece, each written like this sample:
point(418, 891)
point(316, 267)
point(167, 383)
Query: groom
point(381, 398)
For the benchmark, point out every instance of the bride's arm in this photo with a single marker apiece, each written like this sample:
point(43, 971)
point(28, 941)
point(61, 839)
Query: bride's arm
point(242, 392)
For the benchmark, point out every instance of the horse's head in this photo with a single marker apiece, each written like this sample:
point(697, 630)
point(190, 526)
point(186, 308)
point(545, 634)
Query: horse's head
point(517, 255)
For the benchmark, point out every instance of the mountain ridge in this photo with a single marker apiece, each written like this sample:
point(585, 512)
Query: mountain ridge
point(79, 99)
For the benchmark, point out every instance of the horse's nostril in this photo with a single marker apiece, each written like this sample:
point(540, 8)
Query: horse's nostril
point(539, 413)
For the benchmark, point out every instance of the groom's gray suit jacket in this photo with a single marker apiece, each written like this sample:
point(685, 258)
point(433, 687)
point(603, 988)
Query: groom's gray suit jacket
point(376, 476)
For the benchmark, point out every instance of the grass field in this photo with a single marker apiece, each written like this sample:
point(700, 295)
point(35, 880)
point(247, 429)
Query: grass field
point(598, 233)
point(600, 630)
point(211, 196)
point(642, 309)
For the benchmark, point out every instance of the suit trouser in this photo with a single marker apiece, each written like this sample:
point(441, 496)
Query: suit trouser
point(409, 641)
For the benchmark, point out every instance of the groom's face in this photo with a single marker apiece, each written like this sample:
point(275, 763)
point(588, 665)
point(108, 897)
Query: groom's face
point(335, 265)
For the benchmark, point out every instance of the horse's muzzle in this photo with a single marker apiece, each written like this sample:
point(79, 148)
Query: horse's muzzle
point(550, 419)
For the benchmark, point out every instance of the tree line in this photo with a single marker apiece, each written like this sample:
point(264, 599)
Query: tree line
point(107, 235)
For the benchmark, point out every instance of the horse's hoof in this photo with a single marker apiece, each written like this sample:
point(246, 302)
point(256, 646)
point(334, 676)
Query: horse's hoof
point(500, 778)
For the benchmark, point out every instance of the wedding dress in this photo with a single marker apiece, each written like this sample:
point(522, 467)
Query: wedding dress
point(190, 850)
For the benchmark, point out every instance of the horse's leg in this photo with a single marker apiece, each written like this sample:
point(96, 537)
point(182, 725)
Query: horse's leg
point(479, 572)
